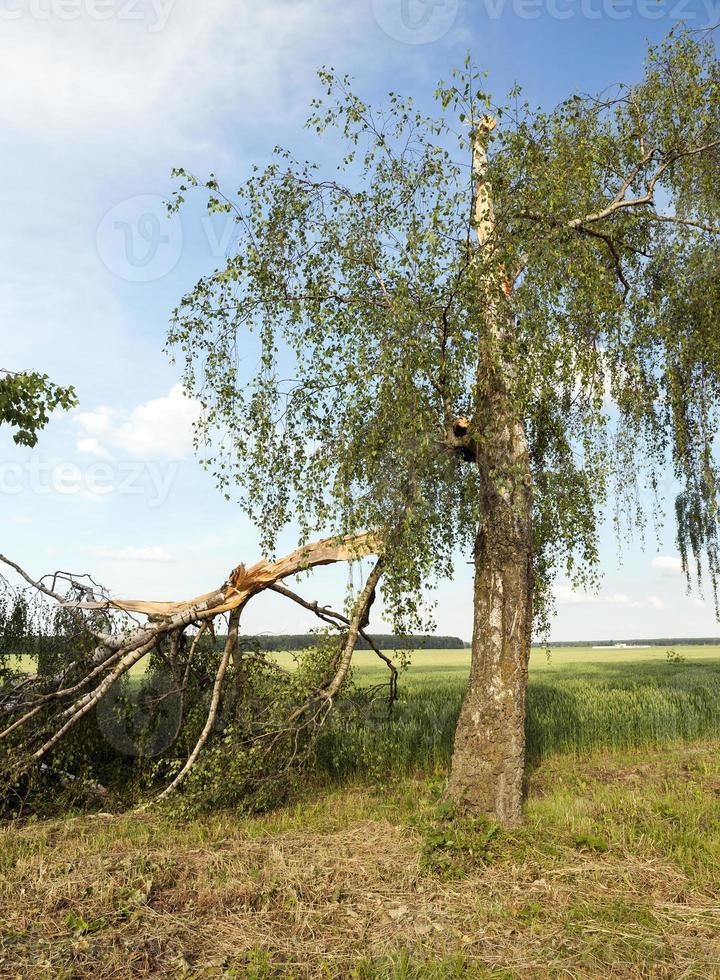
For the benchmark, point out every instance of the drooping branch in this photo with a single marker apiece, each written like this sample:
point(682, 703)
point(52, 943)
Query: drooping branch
point(641, 206)
point(358, 619)
point(327, 693)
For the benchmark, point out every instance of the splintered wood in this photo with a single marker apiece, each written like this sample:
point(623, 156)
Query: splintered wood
point(244, 582)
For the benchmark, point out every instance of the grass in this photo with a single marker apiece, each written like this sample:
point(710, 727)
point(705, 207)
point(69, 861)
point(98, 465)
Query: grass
point(614, 875)
point(616, 872)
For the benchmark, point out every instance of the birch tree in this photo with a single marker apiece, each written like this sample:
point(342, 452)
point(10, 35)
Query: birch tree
point(468, 337)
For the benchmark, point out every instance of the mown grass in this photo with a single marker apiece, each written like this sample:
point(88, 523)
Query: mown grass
point(616, 873)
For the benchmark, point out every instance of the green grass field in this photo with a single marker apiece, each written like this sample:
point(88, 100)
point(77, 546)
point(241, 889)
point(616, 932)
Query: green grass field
point(444, 666)
point(578, 699)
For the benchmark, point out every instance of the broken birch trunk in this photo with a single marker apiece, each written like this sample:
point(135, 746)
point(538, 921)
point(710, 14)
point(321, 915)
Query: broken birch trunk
point(38, 713)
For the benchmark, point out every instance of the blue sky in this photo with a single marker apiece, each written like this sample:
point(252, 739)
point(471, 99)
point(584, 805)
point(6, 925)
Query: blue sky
point(100, 99)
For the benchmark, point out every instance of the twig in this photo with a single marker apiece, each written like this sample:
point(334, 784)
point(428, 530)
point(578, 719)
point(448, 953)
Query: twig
point(325, 613)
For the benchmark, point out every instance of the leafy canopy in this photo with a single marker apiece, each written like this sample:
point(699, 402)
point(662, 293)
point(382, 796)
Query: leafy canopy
point(358, 294)
point(26, 401)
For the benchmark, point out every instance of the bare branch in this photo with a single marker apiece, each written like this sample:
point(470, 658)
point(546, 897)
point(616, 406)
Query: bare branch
point(620, 202)
point(676, 220)
point(49, 591)
point(338, 620)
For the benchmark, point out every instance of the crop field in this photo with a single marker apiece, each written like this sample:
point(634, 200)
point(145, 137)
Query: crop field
point(365, 874)
point(578, 698)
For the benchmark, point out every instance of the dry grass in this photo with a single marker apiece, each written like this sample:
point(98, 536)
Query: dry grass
point(615, 875)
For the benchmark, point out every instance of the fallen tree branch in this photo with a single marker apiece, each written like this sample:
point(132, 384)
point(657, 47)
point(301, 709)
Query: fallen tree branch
point(78, 710)
point(230, 644)
point(31, 703)
point(244, 582)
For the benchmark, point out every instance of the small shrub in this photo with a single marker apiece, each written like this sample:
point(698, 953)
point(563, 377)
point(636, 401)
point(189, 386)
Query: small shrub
point(591, 842)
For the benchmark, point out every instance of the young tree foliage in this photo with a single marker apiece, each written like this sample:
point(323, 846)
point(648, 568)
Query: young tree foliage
point(465, 336)
point(26, 400)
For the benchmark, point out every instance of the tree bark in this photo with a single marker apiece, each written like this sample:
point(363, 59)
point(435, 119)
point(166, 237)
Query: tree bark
point(489, 755)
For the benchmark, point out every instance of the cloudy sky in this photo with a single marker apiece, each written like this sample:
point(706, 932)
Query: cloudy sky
point(100, 99)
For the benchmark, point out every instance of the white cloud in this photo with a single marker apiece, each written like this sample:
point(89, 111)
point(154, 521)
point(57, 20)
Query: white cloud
point(148, 61)
point(656, 602)
point(667, 563)
point(147, 554)
point(621, 599)
point(158, 429)
point(565, 595)
point(89, 446)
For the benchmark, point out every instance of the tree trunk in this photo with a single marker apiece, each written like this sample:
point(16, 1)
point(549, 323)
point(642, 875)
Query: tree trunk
point(489, 755)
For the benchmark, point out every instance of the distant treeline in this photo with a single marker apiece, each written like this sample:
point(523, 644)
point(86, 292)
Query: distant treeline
point(692, 641)
point(384, 641)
